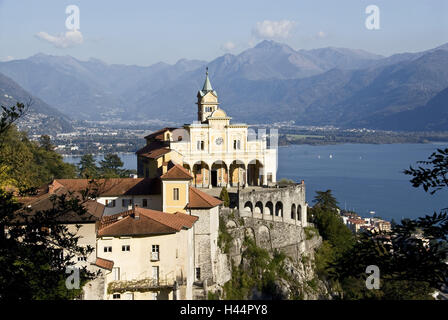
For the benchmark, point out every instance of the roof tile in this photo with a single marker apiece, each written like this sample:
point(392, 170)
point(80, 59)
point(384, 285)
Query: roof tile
point(199, 199)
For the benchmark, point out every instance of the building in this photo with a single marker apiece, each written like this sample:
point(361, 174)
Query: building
point(166, 212)
point(215, 151)
point(147, 255)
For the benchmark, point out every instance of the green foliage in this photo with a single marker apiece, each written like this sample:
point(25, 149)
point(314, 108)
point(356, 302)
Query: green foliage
point(405, 261)
point(323, 259)
point(212, 295)
point(26, 164)
point(310, 232)
point(31, 243)
point(260, 271)
point(31, 264)
point(409, 269)
point(329, 223)
point(224, 237)
point(111, 167)
point(325, 199)
point(433, 173)
point(285, 182)
point(224, 196)
point(87, 167)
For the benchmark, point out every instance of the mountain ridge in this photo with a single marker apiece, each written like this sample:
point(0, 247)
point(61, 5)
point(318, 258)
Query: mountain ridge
point(267, 83)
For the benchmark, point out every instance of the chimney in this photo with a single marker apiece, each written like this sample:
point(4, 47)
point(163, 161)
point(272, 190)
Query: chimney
point(164, 167)
point(136, 213)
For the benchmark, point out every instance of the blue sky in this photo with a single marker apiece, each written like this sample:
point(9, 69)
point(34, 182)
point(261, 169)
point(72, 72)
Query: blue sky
point(146, 32)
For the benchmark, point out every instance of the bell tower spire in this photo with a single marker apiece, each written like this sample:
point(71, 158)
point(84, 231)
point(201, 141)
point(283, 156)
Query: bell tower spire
point(207, 99)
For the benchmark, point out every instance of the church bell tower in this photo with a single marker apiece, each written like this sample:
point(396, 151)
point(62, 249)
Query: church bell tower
point(207, 100)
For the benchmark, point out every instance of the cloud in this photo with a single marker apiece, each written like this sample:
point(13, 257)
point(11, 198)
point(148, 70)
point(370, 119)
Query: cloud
point(69, 39)
point(6, 59)
point(273, 29)
point(228, 46)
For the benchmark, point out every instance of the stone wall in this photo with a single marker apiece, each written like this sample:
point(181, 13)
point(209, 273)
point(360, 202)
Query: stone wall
point(285, 204)
point(268, 234)
point(286, 237)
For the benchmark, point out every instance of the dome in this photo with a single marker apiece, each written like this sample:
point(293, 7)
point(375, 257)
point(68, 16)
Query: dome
point(218, 113)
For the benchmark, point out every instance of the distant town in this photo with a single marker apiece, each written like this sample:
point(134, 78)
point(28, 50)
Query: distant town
point(115, 136)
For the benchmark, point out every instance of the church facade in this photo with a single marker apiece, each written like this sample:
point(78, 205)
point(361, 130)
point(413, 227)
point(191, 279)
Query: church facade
point(215, 151)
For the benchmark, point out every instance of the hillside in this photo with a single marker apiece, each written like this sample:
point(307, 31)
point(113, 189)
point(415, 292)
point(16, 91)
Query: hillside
point(267, 83)
point(40, 118)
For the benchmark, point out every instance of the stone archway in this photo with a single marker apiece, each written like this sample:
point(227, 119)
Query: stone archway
point(248, 206)
point(255, 173)
point(237, 173)
point(269, 208)
point(299, 212)
point(258, 207)
point(219, 174)
point(293, 211)
point(201, 174)
point(279, 209)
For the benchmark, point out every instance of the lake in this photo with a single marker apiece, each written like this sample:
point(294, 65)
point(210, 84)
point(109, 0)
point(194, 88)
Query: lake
point(363, 177)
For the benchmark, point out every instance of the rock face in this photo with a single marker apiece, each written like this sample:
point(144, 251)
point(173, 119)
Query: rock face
point(301, 281)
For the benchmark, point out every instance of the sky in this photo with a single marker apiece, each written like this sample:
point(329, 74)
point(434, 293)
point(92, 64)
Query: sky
point(146, 32)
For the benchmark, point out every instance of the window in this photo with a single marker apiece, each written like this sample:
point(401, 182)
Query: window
point(110, 203)
point(236, 144)
point(82, 259)
point(176, 194)
point(198, 273)
point(144, 203)
point(126, 248)
point(200, 145)
point(129, 296)
point(155, 252)
point(116, 296)
point(107, 249)
point(126, 202)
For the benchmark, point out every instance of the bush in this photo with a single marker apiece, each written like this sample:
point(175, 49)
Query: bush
point(224, 196)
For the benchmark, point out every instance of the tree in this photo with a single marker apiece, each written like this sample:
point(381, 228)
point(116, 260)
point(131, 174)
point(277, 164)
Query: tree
point(435, 177)
point(325, 199)
point(224, 196)
point(87, 167)
point(31, 265)
point(412, 257)
point(45, 143)
point(111, 166)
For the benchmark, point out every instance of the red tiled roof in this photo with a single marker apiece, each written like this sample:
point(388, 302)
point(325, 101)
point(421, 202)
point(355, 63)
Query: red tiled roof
point(110, 187)
point(158, 135)
point(140, 221)
point(44, 202)
point(104, 263)
point(356, 221)
point(149, 152)
point(199, 199)
point(177, 172)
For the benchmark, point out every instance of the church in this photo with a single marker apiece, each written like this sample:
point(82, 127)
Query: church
point(215, 152)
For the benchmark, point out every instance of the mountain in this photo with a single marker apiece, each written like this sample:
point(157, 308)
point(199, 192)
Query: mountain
point(40, 118)
point(267, 83)
point(90, 89)
point(433, 116)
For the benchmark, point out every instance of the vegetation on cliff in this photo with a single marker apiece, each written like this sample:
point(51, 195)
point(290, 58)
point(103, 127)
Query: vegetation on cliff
point(412, 257)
